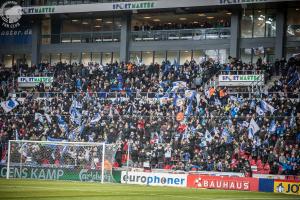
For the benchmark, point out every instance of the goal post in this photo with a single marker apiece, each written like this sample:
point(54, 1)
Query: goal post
point(59, 160)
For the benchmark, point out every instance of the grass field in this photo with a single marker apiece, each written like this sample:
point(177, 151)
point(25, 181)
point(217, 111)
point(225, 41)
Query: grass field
point(59, 190)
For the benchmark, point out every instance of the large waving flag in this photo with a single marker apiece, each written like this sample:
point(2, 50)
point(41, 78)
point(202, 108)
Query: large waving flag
point(234, 111)
point(39, 117)
point(62, 124)
point(259, 111)
point(178, 85)
point(96, 118)
point(190, 94)
point(266, 107)
point(272, 127)
point(9, 105)
point(253, 128)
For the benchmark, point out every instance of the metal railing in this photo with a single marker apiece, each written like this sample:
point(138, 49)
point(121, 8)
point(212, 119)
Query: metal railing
point(241, 72)
point(143, 95)
point(82, 37)
point(181, 34)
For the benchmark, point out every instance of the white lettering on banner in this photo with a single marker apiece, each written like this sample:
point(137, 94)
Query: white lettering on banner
point(137, 5)
point(33, 173)
point(155, 179)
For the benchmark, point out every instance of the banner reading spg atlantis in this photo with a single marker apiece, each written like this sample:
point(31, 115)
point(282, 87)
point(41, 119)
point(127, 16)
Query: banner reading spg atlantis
point(155, 179)
point(287, 187)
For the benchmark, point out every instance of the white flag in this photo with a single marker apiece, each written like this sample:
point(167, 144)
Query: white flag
point(9, 105)
point(253, 125)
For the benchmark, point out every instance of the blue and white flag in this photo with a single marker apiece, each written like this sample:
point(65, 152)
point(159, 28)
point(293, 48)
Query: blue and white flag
point(75, 116)
point(245, 124)
point(96, 118)
point(233, 98)
point(272, 127)
point(293, 121)
point(234, 111)
point(190, 94)
point(252, 104)
point(179, 85)
point(72, 136)
point(259, 111)
point(253, 128)
point(62, 124)
point(188, 110)
point(266, 107)
point(9, 105)
point(225, 133)
point(39, 117)
point(207, 136)
point(217, 102)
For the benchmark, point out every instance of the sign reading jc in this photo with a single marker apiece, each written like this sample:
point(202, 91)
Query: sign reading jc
point(287, 187)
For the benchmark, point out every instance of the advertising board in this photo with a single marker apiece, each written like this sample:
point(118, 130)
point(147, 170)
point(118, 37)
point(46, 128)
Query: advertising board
point(287, 187)
point(33, 81)
point(154, 179)
point(241, 80)
point(224, 183)
point(47, 173)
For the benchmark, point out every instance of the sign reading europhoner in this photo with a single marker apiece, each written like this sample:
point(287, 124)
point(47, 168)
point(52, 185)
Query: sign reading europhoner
point(155, 179)
point(241, 80)
point(33, 81)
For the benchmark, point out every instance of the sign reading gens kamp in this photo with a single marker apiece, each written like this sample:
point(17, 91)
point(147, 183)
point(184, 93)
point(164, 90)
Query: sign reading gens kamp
point(33, 81)
point(47, 173)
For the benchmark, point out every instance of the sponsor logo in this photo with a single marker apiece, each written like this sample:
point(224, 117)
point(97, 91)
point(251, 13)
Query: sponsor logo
point(39, 10)
point(287, 187)
point(33, 173)
point(33, 81)
point(133, 6)
point(240, 77)
point(86, 175)
point(10, 14)
point(158, 179)
point(222, 184)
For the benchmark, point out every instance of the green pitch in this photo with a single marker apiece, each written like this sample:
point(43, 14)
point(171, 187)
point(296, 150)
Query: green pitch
point(59, 190)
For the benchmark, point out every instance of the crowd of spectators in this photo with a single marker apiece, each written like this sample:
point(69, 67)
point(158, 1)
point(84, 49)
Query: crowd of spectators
point(184, 125)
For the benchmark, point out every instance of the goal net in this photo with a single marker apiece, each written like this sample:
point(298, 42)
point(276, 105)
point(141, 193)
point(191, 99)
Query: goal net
point(48, 160)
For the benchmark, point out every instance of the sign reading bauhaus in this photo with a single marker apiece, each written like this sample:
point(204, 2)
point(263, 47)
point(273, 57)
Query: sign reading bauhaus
point(222, 182)
point(241, 80)
point(154, 179)
point(33, 81)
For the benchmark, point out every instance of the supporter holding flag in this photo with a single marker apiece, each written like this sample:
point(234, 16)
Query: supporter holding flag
point(266, 107)
point(9, 105)
point(253, 128)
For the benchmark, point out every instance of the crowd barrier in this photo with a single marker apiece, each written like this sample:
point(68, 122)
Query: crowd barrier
point(269, 183)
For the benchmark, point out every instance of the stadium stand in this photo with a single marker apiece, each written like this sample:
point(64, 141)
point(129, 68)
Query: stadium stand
point(171, 116)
